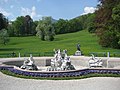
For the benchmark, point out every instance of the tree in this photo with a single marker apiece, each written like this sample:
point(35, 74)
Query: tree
point(105, 23)
point(74, 25)
point(61, 26)
point(40, 30)
point(24, 26)
point(19, 26)
point(4, 37)
point(10, 29)
point(91, 27)
point(116, 21)
point(45, 29)
point(28, 25)
point(67, 26)
point(34, 25)
point(85, 22)
point(50, 32)
point(3, 22)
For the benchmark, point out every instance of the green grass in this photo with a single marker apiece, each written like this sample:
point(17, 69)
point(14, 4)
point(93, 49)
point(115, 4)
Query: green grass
point(88, 42)
point(59, 78)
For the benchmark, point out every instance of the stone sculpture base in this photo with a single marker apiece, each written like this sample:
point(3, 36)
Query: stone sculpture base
point(78, 53)
point(29, 67)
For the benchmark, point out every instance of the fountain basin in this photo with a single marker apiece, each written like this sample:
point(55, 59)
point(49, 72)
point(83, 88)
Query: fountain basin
point(110, 65)
point(77, 61)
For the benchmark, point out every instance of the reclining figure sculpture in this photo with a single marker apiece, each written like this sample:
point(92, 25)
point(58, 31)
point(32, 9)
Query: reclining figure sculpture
point(95, 62)
point(28, 64)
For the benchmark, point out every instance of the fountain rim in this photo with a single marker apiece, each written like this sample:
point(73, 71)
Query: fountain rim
point(45, 74)
point(16, 59)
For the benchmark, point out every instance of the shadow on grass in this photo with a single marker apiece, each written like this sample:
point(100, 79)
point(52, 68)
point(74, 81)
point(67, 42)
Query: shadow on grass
point(10, 49)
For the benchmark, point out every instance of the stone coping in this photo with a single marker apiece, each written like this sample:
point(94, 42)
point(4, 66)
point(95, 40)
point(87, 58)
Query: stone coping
point(73, 57)
point(113, 61)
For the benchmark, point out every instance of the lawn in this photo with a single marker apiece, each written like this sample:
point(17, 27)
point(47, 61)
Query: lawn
point(88, 42)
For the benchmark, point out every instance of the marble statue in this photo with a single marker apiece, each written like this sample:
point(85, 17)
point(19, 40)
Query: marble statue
point(57, 60)
point(78, 47)
point(95, 62)
point(60, 61)
point(78, 52)
point(29, 64)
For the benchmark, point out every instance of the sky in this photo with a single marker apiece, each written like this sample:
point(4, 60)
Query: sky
point(64, 9)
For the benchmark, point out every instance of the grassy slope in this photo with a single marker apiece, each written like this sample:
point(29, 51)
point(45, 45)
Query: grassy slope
point(88, 42)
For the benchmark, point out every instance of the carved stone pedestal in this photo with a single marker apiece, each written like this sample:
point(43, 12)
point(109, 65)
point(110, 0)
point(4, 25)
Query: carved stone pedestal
point(78, 53)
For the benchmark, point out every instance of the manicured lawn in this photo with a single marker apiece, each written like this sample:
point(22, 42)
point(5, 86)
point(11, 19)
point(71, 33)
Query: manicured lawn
point(88, 42)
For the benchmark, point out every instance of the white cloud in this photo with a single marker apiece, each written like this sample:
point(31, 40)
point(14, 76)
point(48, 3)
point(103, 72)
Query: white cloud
point(31, 12)
point(25, 11)
point(5, 12)
point(89, 10)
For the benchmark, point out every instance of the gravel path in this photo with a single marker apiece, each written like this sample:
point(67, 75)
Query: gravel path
point(97, 83)
point(101, 83)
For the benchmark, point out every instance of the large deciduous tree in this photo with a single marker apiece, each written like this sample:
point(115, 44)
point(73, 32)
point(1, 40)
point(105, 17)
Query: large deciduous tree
point(61, 26)
point(40, 30)
point(45, 29)
point(106, 24)
point(19, 26)
point(116, 21)
point(28, 25)
point(3, 22)
point(24, 26)
point(4, 37)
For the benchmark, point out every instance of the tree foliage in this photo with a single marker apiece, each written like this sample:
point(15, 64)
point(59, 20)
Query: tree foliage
point(3, 22)
point(22, 26)
point(76, 24)
point(67, 26)
point(87, 22)
point(4, 37)
point(29, 25)
point(106, 23)
point(19, 26)
point(61, 26)
point(45, 29)
point(40, 30)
